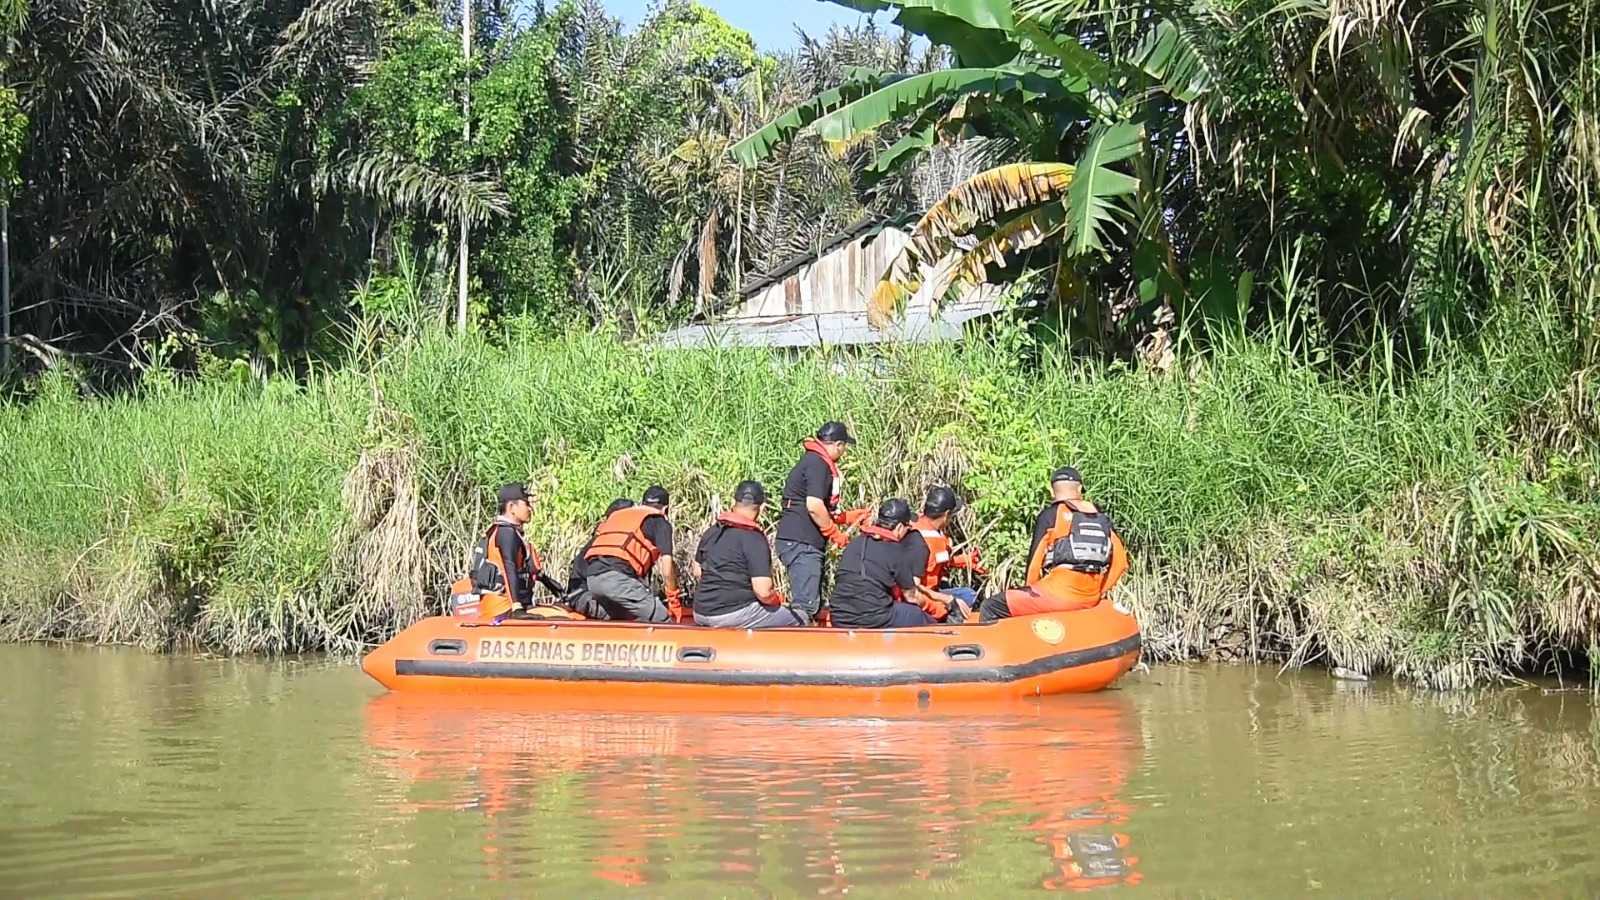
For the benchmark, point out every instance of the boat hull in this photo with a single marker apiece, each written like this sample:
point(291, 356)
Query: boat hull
point(1025, 656)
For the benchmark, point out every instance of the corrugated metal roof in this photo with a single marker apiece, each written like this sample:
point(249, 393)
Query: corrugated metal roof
point(829, 328)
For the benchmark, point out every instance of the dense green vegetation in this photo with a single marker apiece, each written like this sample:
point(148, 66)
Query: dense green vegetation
point(1309, 295)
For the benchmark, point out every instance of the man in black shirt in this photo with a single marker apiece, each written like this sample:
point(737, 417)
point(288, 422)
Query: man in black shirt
point(812, 516)
point(876, 575)
point(733, 569)
point(627, 547)
point(578, 598)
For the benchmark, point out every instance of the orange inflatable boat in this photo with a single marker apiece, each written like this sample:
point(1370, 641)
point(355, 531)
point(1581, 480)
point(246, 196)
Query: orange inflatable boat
point(1025, 656)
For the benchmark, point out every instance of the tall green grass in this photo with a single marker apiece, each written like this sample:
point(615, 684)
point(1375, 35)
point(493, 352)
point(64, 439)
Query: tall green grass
point(1441, 526)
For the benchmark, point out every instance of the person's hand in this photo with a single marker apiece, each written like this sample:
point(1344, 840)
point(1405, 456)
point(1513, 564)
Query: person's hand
point(852, 518)
point(675, 605)
point(839, 538)
point(968, 561)
point(936, 608)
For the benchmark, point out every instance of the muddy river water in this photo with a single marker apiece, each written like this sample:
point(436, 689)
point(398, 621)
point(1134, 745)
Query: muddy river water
point(129, 774)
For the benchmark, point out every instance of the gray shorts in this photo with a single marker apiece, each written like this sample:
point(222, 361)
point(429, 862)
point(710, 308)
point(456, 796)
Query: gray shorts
point(627, 598)
point(805, 565)
point(755, 615)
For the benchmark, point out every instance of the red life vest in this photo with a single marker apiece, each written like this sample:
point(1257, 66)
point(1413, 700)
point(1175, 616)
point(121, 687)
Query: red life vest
point(734, 520)
point(882, 534)
point(836, 492)
point(621, 536)
point(938, 552)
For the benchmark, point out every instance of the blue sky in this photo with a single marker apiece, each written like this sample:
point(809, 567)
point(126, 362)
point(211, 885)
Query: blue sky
point(770, 22)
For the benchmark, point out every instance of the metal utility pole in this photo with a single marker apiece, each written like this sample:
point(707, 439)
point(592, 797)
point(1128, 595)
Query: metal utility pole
point(466, 135)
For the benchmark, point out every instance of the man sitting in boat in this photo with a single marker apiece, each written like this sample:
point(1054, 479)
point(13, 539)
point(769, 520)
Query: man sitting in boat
point(578, 599)
point(1076, 559)
point(628, 546)
point(733, 569)
point(876, 575)
point(930, 551)
point(504, 565)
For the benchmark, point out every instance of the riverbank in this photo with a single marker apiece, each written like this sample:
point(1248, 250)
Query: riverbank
point(1439, 526)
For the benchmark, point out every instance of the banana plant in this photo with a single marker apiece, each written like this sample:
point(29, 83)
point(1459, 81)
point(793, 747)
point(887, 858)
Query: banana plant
point(1080, 89)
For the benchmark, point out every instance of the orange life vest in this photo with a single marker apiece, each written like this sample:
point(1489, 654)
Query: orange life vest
point(938, 552)
point(836, 490)
point(621, 536)
point(488, 574)
point(1070, 515)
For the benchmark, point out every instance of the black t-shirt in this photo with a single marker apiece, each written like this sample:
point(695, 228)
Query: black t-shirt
point(868, 569)
point(657, 529)
point(810, 477)
point(729, 557)
point(916, 550)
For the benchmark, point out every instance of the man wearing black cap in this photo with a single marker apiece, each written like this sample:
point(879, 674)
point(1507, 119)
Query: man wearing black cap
point(1076, 558)
point(812, 515)
point(876, 577)
point(578, 599)
point(929, 548)
point(733, 569)
point(504, 565)
point(627, 547)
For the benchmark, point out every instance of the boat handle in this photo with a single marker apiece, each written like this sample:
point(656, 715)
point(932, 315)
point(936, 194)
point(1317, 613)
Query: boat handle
point(964, 652)
point(697, 654)
point(447, 648)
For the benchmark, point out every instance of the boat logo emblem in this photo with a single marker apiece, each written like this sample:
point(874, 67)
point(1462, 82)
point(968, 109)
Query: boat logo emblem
point(1049, 630)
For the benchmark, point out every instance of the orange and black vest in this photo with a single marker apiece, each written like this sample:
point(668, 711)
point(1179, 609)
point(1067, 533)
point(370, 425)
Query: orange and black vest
point(489, 569)
point(621, 536)
point(1079, 539)
point(938, 552)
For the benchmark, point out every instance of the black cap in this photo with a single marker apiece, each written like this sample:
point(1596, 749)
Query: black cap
point(750, 493)
point(618, 505)
point(512, 493)
point(940, 500)
point(894, 511)
point(1066, 473)
point(835, 431)
point(656, 495)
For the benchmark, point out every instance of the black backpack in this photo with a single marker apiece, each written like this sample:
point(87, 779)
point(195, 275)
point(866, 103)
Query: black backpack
point(1086, 546)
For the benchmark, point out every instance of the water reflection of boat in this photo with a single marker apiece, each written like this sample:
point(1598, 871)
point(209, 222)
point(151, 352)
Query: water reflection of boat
point(1056, 653)
point(838, 797)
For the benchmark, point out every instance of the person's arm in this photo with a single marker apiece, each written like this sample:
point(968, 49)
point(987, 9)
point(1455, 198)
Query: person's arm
point(906, 578)
point(1119, 563)
point(1041, 526)
point(758, 559)
point(509, 543)
point(660, 534)
point(700, 556)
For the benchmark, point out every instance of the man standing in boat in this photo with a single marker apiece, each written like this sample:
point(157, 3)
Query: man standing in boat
point(930, 551)
point(627, 547)
point(504, 565)
point(733, 569)
point(812, 516)
point(1076, 559)
point(876, 575)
